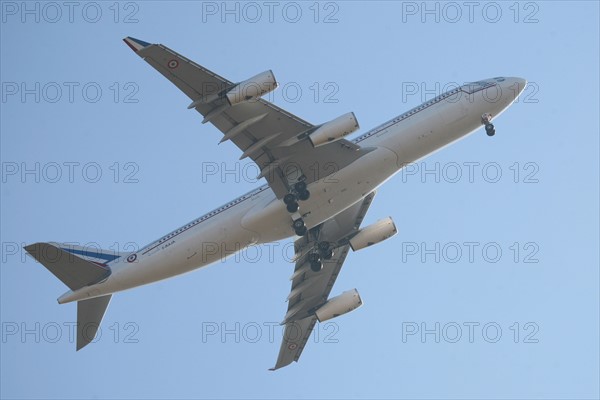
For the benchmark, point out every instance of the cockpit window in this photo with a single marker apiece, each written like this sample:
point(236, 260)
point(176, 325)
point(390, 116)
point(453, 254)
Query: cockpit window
point(473, 87)
point(499, 79)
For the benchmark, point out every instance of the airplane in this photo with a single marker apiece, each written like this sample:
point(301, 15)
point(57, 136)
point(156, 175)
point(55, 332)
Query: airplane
point(319, 187)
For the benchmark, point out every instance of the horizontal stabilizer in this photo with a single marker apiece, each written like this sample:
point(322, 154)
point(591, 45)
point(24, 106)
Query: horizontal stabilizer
point(73, 271)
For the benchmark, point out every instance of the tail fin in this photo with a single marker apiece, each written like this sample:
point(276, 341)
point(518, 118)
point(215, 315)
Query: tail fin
point(76, 272)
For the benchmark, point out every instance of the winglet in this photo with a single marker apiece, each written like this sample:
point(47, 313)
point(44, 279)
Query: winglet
point(136, 44)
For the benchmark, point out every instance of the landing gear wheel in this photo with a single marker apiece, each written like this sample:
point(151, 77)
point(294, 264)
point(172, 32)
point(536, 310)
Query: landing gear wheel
point(299, 227)
point(289, 199)
point(325, 250)
point(314, 257)
point(301, 231)
point(300, 186)
point(315, 262)
point(316, 266)
point(303, 195)
point(293, 207)
point(299, 223)
point(490, 130)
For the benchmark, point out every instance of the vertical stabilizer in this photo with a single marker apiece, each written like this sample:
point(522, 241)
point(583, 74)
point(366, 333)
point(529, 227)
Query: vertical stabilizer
point(89, 316)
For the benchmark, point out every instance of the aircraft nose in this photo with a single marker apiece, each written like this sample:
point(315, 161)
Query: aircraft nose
point(521, 81)
point(516, 85)
point(504, 93)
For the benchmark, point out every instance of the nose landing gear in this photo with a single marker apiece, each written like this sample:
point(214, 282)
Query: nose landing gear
point(486, 120)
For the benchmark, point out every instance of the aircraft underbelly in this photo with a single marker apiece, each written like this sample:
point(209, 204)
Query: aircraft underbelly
point(328, 197)
point(428, 131)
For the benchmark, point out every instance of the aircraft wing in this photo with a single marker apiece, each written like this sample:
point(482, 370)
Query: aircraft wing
point(311, 289)
point(264, 132)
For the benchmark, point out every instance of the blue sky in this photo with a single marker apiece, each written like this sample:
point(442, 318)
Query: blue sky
point(490, 289)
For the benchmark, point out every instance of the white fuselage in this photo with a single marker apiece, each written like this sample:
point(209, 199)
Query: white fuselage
point(259, 217)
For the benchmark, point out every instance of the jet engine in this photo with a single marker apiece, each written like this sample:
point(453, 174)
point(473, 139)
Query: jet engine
point(373, 234)
point(252, 88)
point(334, 130)
point(339, 305)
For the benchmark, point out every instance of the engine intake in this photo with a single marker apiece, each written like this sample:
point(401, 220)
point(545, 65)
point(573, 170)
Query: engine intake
point(334, 130)
point(373, 234)
point(339, 305)
point(252, 88)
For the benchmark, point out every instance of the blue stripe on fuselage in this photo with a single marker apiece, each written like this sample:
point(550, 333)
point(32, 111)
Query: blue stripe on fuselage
point(87, 253)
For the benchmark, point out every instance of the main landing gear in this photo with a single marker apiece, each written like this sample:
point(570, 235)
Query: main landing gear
point(299, 192)
point(315, 262)
point(324, 252)
point(299, 227)
point(486, 120)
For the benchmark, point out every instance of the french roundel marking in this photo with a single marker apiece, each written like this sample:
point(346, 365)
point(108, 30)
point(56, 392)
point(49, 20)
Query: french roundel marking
point(292, 346)
point(173, 64)
point(132, 258)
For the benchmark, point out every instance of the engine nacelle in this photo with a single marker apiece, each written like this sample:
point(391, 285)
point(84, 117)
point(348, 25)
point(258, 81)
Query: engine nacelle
point(334, 130)
point(252, 88)
point(373, 234)
point(339, 305)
